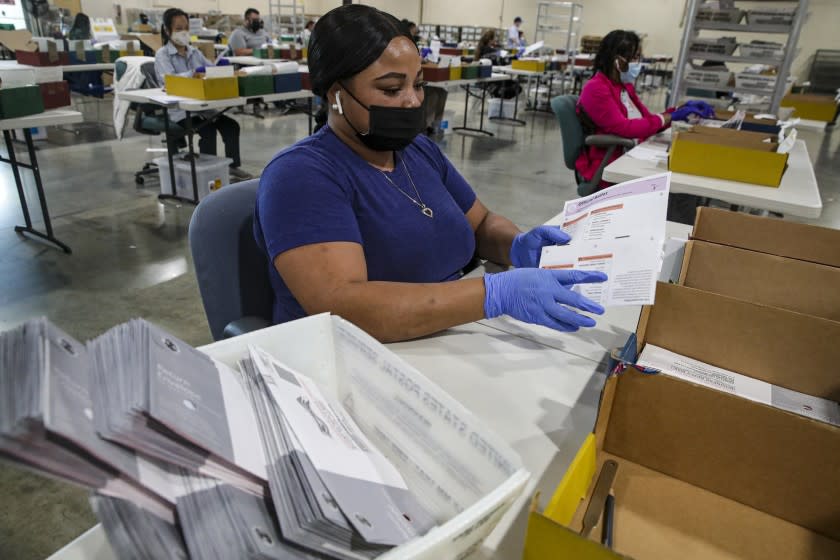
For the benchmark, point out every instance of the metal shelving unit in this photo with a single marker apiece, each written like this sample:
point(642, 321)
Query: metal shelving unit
point(285, 17)
point(558, 24)
point(692, 31)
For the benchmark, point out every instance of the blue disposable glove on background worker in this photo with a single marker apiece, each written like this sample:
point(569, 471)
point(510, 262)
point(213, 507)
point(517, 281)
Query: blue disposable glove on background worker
point(540, 296)
point(527, 247)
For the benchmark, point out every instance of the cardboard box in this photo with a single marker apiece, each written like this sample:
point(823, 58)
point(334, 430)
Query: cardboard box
point(433, 73)
point(485, 71)
point(761, 278)
point(34, 58)
point(289, 82)
point(768, 235)
point(87, 57)
point(530, 64)
point(812, 106)
point(20, 102)
point(703, 474)
point(250, 86)
point(55, 94)
point(202, 88)
point(152, 41)
point(306, 83)
point(17, 40)
point(207, 48)
point(722, 153)
point(750, 123)
point(455, 72)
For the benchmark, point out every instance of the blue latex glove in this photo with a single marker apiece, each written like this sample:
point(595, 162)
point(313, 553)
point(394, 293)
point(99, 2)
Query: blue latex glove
point(704, 109)
point(540, 296)
point(223, 62)
point(527, 247)
point(200, 70)
point(684, 112)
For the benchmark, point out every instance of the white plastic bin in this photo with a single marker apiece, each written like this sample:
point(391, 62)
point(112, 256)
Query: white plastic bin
point(726, 15)
point(758, 82)
point(723, 46)
point(771, 16)
point(762, 51)
point(501, 107)
point(211, 172)
point(708, 78)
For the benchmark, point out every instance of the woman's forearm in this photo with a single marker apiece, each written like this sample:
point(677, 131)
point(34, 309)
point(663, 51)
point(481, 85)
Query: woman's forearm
point(494, 237)
point(394, 311)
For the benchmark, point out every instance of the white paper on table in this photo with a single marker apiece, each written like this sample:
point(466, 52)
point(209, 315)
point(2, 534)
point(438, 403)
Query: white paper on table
point(219, 71)
point(649, 152)
point(695, 371)
point(620, 231)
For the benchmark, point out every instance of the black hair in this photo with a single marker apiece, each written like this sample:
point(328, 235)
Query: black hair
point(517, 19)
point(344, 42)
point(309, 24)
point(80, 30)
point(406, 25)
point(168, 16)
point(616, 43)
point(250, 11)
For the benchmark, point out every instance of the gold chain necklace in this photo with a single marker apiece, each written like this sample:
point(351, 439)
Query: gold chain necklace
point(417, 201)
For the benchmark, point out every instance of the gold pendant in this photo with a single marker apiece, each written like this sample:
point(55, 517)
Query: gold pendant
point(428, 211)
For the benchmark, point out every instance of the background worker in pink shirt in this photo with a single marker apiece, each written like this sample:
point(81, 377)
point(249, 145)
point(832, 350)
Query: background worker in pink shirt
point(609, 104)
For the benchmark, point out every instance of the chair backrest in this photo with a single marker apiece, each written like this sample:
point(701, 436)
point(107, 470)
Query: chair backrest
point(570, 127)
point(231, 269)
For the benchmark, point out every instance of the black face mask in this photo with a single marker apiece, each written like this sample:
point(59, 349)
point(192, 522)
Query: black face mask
point(255, 25)
point(391, 128)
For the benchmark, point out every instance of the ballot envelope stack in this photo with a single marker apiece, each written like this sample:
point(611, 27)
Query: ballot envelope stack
point(190, 458)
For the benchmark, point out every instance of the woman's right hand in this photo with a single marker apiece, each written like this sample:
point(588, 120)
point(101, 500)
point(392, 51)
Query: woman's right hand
point(541, 297)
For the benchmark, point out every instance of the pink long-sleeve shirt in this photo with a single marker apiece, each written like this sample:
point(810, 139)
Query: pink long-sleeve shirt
point(601, 100)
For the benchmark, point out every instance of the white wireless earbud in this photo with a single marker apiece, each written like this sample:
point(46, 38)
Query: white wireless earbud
point(337, 104)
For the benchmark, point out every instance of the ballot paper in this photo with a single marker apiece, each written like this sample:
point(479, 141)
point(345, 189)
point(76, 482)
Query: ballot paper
point(135, 534)
point(619, 231)
point(47, 422)
point(157, 395)
point(695, 371)
point(367, 488)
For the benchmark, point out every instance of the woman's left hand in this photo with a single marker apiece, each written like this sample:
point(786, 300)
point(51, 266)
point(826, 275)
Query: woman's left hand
point(527, 247)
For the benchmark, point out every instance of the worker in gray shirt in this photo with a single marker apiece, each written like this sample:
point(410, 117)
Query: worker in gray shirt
point(250, 36)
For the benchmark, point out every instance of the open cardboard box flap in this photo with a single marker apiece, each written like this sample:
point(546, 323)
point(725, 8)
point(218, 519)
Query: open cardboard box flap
point(702, 474)
point(18, 40)
point(781, 347)
point(768, 235)
point(756, 277)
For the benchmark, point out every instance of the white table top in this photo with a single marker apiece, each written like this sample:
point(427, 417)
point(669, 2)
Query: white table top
point(535, 387)
point(12, 64)
point(53, 117)
point(797, 195)
point(160, 97)
point(253, 60)
point(517, 72)
point(469, 82)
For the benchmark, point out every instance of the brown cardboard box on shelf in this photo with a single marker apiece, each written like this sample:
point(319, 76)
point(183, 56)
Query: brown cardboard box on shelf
point(723, 153)
point(704, 474)
point(768, 235)
point(151, 40)
point(762, 278)
point(207, 48)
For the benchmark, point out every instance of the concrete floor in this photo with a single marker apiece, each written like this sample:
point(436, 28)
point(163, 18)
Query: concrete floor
point(131, 256)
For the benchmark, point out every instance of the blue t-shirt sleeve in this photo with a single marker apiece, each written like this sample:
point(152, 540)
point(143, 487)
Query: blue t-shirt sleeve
point(458, 188)
point(301, 201)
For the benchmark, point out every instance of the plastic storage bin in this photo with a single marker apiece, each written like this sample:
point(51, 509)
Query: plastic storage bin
point(771, 16)
point(708, 78)
point(501, 108)
point(727, 15)
point(762, 51)
point(211, 173)
point(724, 45)
point(758, 82)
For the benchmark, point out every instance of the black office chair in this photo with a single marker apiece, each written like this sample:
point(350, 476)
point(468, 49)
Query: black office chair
point(149, 119)
point(231, 269)
point(574, 139)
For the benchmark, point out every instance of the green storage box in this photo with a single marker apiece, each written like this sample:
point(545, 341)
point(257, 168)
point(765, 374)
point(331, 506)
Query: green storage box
point(250, 86)
point(469, 72)
point(20, 102)
point(267, 52)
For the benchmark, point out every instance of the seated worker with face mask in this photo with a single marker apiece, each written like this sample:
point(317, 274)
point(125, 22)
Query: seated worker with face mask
point(608, 104)
point(369, 220)
point(178, 57)
point(249, 36)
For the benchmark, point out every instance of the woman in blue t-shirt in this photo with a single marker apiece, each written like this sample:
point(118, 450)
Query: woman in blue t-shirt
point(368, 220)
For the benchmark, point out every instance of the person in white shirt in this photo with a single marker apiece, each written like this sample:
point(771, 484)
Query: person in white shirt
point(513, 33)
